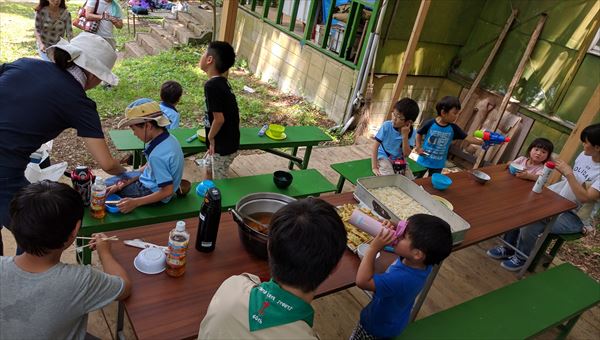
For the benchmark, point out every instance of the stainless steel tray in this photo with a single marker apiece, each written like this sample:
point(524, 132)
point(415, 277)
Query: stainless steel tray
point(458, 225)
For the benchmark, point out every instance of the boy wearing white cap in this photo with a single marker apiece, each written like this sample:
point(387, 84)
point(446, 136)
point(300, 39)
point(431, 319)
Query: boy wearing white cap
point(161, 176)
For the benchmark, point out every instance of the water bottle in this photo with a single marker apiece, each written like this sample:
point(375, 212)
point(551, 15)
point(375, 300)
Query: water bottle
point(371, 226)
point(208, 221)
point(98, 196)
point(262, 130)
point(541, 181)
point(179, 239)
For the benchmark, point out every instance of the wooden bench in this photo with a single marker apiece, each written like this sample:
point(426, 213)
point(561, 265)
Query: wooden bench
point(308, 182)
point(354, 170)
point(558, 239)
point(554, 298)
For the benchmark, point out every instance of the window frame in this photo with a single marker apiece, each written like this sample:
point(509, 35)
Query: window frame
point(356, 7)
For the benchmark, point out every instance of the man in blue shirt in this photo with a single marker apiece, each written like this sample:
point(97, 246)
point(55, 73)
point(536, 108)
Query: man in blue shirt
point(162, 174)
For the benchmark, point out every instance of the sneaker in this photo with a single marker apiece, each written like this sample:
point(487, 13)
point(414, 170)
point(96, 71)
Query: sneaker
point(514, 263)
point(500, 252)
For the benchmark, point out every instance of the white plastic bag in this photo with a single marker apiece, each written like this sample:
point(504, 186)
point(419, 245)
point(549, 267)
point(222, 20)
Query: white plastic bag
point(34, 173)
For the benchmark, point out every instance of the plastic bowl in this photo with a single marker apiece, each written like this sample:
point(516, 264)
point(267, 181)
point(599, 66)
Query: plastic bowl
point(514, 168)
point(150, 261)
point(440, 182)
point(276, 129)
point(203, 187)
point(480, 176)
point(112, 208)
point(282, 179)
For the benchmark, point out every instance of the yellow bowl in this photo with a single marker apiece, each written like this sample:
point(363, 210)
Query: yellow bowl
point(201, 135)
point(276, 129)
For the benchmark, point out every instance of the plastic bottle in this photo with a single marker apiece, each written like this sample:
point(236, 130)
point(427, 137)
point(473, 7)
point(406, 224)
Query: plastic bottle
point(262, 130)
point(98, 196)
point(370, 225)
point(178, 245)
point(541, 181)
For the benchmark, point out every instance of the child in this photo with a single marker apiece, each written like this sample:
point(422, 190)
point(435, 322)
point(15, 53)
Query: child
point(539, 152)
point(427, 241)
point(580, 184)
point(394, 140)
point(161, 176)
point(222, 119)
point(439, 133)
point(170, 94)
point(41, 297)
point(306, 241)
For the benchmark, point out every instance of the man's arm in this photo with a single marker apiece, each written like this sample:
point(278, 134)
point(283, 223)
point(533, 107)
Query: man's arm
point(215, 127)
point(99, 150)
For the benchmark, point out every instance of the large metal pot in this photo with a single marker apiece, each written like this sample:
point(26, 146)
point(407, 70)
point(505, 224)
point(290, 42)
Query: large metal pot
point(261, 202)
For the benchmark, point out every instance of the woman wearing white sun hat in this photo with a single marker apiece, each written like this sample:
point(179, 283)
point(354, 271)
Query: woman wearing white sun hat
point(38, 100)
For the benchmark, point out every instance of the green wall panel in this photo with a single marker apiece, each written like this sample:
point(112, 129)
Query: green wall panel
point(429, 59)
point(540, 130)
point(581, 89)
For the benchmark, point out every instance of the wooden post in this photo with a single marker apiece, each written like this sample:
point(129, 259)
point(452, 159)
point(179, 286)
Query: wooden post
point(515, 79)
point(228, 17)
point(464, 118)
point(409, 54)
point(568, 151)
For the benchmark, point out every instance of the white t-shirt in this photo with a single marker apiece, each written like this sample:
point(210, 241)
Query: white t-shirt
point(105, 28)
point(586, 172)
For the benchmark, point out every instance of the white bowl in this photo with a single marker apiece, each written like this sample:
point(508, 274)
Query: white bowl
point(150, 261)
point(361, 250)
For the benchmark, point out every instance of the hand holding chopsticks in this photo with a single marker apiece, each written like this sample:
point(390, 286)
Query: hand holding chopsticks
point(97, 241)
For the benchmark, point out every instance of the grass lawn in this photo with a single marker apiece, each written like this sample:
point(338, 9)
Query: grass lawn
point(142, 77)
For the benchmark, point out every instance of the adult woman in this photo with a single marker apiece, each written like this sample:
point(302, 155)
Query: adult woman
point(38, 100)
point(52, 21)
point(109, 14)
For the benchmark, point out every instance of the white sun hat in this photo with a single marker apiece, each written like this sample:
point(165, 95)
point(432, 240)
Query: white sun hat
point(90, 52)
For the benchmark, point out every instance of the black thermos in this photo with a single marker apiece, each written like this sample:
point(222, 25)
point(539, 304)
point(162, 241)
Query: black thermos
point(208, 221)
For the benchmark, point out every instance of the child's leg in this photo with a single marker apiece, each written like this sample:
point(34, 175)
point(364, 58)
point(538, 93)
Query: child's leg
point(135, 189)
point(221, 165)
point(385, 166)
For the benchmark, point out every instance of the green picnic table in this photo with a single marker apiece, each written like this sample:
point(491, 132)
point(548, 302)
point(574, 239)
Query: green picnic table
point(354, 170)
point(297, 136)
point(306, 183)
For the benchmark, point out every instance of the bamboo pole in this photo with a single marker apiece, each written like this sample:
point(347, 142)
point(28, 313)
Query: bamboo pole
point(409, 54)
point(519, 72)
point(463, 119)
point(570, 148)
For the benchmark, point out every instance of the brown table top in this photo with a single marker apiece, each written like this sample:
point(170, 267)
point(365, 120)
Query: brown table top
point(165, 307)
point(162, 307)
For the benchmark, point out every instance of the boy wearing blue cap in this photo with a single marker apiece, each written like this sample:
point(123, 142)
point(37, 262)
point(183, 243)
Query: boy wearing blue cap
point(162, 175)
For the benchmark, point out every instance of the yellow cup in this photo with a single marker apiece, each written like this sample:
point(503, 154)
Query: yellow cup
point(276, 130)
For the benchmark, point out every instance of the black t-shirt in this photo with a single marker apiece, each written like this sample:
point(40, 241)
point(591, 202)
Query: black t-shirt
point(219, 98)
point(38, 101)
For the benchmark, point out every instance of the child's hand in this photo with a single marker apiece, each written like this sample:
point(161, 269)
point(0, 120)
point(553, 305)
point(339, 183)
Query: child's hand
point(388, 224)
point(523, 175)
point(405, 131)
point(127, 204)
point(385, 237)
point(98, 244)
point(419, 150)
point(376, 172)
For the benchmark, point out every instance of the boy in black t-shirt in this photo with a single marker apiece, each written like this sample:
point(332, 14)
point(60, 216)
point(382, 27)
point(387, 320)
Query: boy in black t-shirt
point(222, 119)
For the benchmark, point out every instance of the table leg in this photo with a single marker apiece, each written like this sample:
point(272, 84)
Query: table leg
point(340, 184)
point(566, 329)
point(294, 152)
point(85, 255)
point(120, 317)
point(137, 159)
point(423, 294)
point(128, 32)
point(538, 245)
point(306, 157)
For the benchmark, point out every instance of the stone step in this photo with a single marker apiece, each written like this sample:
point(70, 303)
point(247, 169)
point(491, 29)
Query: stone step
point(204, 16)
point(193, 24)
point(162, 36)
point(179, 31)
point(149, 44)
point(133, 50)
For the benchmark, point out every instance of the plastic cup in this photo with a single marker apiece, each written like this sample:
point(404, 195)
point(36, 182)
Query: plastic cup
point(276, 130)
point(514, 168)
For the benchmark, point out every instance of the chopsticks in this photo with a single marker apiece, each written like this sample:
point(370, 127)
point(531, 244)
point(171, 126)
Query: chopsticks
point(80, 248)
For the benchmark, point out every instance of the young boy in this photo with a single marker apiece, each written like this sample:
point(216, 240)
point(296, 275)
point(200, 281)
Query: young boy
point(427, 241)
point(161, 176)
point(170, 94)
point(306, 241)
point(41, 297)
point(439, 133)
point(222, 119)
point(395, 140)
